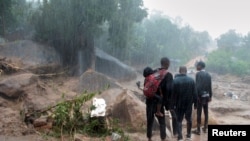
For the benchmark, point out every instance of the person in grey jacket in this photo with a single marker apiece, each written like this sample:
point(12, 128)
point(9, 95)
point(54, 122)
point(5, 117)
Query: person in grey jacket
point(185, 97)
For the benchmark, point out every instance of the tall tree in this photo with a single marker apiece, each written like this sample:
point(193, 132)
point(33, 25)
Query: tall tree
point(72, 25)
point(230, 40)
point(5, 15)
point(122, 22)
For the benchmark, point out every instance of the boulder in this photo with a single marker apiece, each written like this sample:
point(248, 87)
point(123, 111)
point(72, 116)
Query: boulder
point(113, 67)
point(30, 53)
point(41, 121)
point(14, 86)
point(93, 81)
point(125, 106)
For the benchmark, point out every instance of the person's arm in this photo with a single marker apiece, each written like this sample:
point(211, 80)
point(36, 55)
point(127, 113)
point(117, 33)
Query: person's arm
point(174, 96)
point(138, 83)
point(170, 92)
point(195, 96)
point(210, 88)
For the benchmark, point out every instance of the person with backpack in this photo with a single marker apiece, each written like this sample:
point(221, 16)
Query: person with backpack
point(148, 73)
point(185, 97)
point(204, 90)
point(165, 88)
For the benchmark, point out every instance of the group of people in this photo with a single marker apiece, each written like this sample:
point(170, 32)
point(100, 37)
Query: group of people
point(179, 95)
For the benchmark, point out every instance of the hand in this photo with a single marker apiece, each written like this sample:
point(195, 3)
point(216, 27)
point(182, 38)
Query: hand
point(138, 83)
point(210, 99)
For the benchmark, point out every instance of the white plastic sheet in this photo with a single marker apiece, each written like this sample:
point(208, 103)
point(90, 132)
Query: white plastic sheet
point(100, 108)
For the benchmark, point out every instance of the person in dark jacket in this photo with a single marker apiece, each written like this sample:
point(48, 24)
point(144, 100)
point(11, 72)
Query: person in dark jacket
point(185, 98)
point(204, 90)
point(166, 88)
point(146, 73)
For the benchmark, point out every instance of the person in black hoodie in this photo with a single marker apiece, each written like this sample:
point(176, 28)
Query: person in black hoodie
point(204, 90)
point(166, 89)
point(185, 97)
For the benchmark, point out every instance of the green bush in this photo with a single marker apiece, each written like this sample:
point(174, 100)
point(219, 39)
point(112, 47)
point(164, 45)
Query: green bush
point(224, 61)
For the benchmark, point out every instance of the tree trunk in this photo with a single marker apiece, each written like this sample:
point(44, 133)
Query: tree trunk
point(3, 25)
point(86, 54)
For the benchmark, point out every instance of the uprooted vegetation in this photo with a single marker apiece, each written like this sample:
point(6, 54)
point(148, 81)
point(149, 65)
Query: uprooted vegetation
point(67, 118)
point(7, 66)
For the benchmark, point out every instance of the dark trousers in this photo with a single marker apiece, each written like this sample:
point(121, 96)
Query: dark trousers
point(187, 112)
point(150, 111)
point(174, 121)
point(201, 106)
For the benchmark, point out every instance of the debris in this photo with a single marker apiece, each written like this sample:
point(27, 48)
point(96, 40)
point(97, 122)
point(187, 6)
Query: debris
point(100, 108)
point(7, 67)
point(115, 136)
point(232, 95)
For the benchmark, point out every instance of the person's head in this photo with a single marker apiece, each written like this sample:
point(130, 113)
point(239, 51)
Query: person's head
point(183, 70)
point(147, 71)
point(165, 62)
point(200, 65)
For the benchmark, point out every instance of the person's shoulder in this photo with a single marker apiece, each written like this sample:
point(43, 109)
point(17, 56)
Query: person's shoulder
point(201, 72)
point(169, 74)
point(208, 73)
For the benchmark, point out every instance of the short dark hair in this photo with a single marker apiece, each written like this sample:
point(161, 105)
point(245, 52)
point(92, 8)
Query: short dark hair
point(183, 69)
point(147, 71)
point(165, 61)
point(201, 64)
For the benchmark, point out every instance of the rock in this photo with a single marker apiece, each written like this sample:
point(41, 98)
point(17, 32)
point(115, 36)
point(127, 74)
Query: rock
point(41, 121)
point(30, 53)
point(13, 86)
point(92, 81)
point(128, 109)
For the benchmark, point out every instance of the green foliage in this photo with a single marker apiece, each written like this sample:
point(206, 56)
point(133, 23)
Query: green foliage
point(68, 119)
point(15, 16)
point(223, 61)
point(229, 40)
point(68, 116)
point(218, 61)
point(232, 56)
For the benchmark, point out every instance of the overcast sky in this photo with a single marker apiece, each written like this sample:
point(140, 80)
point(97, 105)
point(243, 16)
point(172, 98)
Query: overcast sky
point(214, 16)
